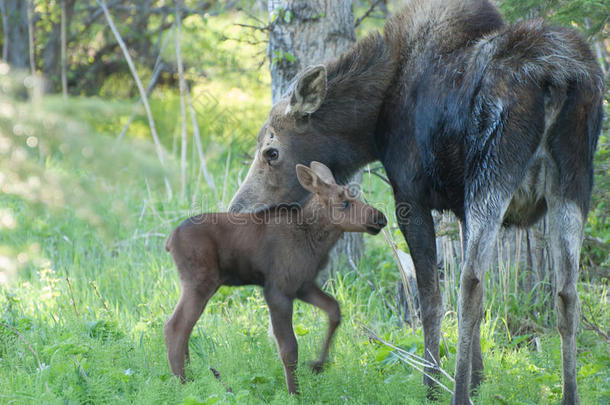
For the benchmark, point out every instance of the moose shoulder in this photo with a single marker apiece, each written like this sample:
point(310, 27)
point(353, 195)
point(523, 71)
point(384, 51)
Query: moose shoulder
point(495, 122)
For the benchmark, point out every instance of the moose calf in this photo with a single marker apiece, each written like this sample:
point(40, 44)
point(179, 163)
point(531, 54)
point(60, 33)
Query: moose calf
point(281, 249)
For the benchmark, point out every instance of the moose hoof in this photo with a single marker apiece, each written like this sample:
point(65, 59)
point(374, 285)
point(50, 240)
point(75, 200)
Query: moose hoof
point(316, 366)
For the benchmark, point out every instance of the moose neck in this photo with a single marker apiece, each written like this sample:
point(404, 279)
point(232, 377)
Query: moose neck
point(357, 84)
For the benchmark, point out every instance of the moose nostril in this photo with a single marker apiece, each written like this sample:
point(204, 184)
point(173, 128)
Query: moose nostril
point(382, 221)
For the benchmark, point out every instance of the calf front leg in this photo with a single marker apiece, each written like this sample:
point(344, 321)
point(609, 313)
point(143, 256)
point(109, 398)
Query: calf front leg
point(280, 310)
point(318, 298)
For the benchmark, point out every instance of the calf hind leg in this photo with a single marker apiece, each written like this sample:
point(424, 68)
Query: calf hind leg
point(318, 298)
point(179, 326)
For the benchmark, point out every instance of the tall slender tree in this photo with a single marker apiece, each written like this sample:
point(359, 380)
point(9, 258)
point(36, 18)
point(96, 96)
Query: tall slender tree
point(16, 32)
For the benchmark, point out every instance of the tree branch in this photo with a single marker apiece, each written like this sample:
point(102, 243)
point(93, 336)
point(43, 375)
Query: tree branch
point(264, 28)
point(367, 13)
point(182, 86)
point(208, 178)
point(151, 84)
point(24, 340)
point(134, 72)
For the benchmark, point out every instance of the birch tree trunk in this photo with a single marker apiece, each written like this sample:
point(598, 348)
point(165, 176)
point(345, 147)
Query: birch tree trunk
point(304, 33)
point(63, 39)
point(32, 58)
point(4, 31)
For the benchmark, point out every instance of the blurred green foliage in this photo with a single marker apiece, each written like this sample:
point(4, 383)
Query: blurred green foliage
point(591, 16)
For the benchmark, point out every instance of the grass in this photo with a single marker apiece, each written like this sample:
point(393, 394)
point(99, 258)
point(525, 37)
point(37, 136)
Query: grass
point(99, 337)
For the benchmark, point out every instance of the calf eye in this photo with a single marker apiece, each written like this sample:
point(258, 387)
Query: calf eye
point(271, 154)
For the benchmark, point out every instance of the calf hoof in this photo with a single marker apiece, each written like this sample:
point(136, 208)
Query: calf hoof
point(317, 366)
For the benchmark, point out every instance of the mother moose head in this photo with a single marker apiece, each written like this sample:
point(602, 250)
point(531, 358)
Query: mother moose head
point(329, 115)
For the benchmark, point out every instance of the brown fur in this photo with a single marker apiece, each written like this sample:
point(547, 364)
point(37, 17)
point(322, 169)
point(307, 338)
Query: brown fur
point(281, 249)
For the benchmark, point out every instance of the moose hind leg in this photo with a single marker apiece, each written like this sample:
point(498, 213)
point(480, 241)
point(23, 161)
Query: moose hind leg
point(481, 234)
point(476, 368)
point(179, 326)
point(318, 298)
point(566, 221)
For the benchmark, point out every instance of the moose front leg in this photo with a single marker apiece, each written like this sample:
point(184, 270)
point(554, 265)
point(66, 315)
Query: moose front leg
point(280, 310)
point(417, 226)
point(315, 296)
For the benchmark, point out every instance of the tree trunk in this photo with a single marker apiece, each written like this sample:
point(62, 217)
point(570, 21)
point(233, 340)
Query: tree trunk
point(50, 57)
point(31, 33)
point(17, 33)
point(304, 33)
point(64, 64)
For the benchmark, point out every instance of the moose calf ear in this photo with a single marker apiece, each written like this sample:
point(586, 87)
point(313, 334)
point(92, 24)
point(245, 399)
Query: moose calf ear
point(307, 178)
point(323, 171)
point(311, 181)
point(309, 92)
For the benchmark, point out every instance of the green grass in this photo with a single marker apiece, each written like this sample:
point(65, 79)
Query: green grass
point(90, 354)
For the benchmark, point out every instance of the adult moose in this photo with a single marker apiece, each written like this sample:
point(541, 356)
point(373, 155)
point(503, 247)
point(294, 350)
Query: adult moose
point(497, 123)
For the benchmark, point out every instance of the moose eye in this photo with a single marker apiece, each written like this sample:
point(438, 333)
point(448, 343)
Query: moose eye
point(345, 205)
point(271, 154)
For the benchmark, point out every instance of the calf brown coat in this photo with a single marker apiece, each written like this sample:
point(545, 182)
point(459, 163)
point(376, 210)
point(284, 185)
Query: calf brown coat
point(281, 249)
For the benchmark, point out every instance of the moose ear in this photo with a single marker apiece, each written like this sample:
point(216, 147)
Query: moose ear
point(323, 171)
point(310, 179)
point(309, 92)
